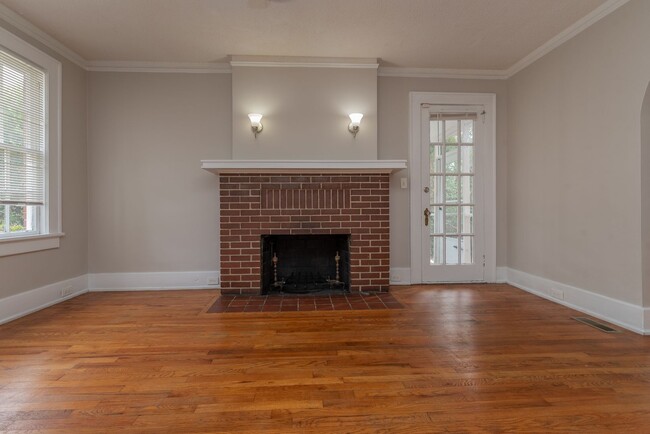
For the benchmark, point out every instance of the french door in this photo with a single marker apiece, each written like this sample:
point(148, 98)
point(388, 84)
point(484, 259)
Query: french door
point(452, 194)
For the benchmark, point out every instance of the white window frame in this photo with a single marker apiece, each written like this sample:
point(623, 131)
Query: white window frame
point(488, 100)
point(50, 224)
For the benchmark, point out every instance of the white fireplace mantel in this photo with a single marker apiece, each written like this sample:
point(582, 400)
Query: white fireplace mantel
point(303, 166)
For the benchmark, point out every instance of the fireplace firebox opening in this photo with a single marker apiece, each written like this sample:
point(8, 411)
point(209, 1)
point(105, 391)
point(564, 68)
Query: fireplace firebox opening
point(305, 264)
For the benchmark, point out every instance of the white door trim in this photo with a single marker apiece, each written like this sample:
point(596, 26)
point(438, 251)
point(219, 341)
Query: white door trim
point(416, 99)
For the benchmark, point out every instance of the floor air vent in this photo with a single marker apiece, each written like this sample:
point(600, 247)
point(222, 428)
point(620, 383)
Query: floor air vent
point(595, 324)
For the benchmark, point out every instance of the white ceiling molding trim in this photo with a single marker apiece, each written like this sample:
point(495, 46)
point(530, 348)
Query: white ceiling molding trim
point(160, 67)
point(582, 24)
point(304, 62)
point(480, 74)
point(304, 65)
point(32, 31)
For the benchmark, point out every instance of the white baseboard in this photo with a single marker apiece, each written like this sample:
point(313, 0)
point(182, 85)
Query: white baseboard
point(153, 281)
point(621, 313)
point(502, 275)
point(400, 276)
point(24, 303)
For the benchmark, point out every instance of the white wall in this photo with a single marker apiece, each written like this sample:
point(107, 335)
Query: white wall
point(151, 206)
point(393, 107)
point(305, 113)
point(28, 271)
point(574, 178)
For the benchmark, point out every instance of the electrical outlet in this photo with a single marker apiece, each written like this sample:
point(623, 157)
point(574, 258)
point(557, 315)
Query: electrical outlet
point(213, 280)
point(64, 292)
point(395, 277)
point(557, 293)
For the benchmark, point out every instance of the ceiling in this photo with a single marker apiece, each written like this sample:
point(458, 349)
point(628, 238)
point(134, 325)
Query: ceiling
point(450, 34)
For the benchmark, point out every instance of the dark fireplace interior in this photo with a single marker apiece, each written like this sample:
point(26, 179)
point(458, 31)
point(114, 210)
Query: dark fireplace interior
point(305, 264)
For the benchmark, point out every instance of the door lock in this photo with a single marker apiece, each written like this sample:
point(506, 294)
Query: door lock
point(426, 216)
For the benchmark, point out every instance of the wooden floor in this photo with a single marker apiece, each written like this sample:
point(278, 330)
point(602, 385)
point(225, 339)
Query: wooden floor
point(481, 358)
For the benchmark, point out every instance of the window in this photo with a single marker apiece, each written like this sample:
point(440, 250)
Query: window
point(29, 148)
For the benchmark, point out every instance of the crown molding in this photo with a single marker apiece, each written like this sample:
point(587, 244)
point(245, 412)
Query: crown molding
point(579, 26)
point(304, 65)
point(480, 74)
point(34, 32)
point(160, 67)
point(304, 62)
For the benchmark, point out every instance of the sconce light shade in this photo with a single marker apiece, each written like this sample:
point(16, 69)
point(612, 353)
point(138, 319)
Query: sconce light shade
point(355, 123)
point(256, 123)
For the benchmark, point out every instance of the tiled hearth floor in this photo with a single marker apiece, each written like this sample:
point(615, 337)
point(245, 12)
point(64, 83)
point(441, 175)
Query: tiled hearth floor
point(295, 303)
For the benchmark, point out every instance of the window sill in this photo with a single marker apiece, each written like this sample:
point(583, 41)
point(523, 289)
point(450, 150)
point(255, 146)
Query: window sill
point(29, 243)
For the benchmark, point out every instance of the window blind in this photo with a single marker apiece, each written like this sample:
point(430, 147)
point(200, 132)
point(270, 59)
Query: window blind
point(22, 131)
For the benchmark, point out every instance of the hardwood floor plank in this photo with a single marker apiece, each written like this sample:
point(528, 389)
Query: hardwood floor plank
point(457, 358)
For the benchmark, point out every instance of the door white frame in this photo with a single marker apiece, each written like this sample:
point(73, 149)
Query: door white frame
point(488, 100)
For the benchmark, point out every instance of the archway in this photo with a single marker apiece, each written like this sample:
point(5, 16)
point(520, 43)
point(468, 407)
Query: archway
point(645, 197)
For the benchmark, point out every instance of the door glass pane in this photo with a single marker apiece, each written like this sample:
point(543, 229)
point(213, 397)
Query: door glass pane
point(435, 132)
point(451, 189)
point(451, 131)
point(466, 250)
point(467, 219)
point(451, 250)
point(451, 159)
point(436, 189)
point(436, 220)
point(467, 159)
point(435, 158)
point(466, 189)
point(467, 131)
point(451, 219)
point(436, 250)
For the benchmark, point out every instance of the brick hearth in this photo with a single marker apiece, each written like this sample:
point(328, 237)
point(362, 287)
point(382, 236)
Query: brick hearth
point(253, 205)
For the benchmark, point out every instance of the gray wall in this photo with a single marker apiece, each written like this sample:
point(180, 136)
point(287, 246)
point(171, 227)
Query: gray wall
point(32, 270)
point(153, 209)
point(151, 206)
point(393, 108)
point(305, 113)
point(574, 178)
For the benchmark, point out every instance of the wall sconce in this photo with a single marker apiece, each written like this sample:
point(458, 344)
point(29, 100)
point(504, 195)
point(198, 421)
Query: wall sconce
point(355, 123)
point(256, 123)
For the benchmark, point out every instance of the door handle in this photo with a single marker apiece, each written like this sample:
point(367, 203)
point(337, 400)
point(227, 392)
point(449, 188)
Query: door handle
point(426, 216)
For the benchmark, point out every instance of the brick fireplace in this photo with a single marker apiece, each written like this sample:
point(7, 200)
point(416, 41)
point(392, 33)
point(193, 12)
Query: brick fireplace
point(254, 205)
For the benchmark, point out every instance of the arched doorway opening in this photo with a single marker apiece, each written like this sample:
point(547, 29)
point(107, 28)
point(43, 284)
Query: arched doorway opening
point(645, 196)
